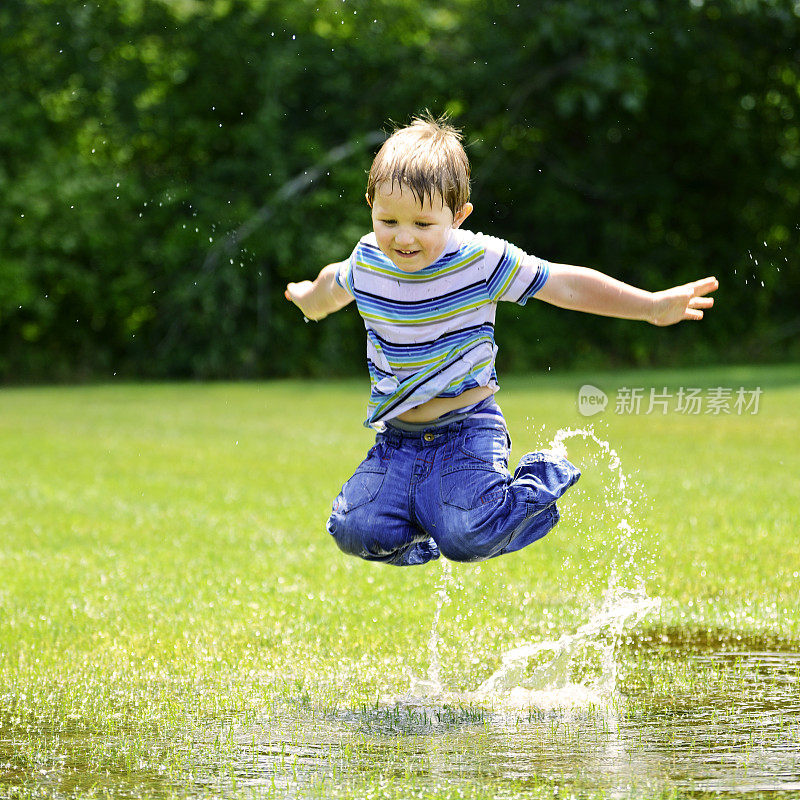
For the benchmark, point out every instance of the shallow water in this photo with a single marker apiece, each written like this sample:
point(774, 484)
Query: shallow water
point(739, 733)
point(693, 714)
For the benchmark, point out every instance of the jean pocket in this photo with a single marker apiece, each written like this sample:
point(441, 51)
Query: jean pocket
point(473, 483)
point(366, 481)
point(486, 447)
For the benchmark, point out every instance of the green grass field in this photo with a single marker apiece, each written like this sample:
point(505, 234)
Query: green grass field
point(175, 621)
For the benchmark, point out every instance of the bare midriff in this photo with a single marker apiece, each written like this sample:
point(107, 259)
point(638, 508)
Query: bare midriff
point(434, 408)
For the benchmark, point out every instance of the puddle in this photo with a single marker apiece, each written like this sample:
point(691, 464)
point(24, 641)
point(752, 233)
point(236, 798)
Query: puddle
point(64, 761)
point(694, 716)
point(737, 734)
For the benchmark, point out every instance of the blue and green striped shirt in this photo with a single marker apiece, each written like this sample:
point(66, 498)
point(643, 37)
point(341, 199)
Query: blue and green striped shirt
point(431, 333)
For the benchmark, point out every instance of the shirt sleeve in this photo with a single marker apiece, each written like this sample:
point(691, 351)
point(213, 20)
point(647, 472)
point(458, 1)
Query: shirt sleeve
point(513, 275)
point(535, 271)
point(344, 273)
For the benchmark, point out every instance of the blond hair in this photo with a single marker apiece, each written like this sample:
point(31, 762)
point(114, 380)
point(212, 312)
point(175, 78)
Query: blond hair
point(426, 156)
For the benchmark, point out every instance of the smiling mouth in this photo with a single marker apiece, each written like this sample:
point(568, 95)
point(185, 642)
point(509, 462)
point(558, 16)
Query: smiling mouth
point(406, 253)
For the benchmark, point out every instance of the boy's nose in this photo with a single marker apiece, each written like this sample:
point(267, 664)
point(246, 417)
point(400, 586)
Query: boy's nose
point(404, 237)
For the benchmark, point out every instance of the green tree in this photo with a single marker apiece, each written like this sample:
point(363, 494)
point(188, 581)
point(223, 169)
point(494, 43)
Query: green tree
point(155, 160)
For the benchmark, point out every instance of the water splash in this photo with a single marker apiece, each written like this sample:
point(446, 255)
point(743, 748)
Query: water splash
point(575, 670)
point(614, 461)
point(627, 562)
point(432, 685)
point(578, 669)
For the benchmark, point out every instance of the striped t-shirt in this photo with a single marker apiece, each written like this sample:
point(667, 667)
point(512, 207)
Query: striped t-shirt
point(431, 333)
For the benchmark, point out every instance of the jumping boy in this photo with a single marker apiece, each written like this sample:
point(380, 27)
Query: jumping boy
point(437, 480)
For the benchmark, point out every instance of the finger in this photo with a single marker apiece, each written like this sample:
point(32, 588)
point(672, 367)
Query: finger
point(705, 285)
point(693, 314)
point(701, 302)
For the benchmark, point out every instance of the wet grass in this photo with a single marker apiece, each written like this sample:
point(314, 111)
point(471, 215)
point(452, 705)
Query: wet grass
point(174, 621)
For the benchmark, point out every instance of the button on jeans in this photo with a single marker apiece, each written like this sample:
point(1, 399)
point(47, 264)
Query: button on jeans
point(447, 489)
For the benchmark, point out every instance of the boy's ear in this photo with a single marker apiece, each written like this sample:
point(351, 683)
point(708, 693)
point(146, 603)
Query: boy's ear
point(462, 214)
point(369, 202)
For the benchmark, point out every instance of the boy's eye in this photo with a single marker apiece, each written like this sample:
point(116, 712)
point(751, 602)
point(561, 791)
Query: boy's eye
point(424, 224)
point(388, 221)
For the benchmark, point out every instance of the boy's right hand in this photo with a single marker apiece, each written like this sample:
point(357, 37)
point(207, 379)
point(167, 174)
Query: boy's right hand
point(318, 298)
point(298, 292)
point(302, 294)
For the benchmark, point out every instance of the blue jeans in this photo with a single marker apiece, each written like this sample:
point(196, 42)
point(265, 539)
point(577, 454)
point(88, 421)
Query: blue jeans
point(447, 489)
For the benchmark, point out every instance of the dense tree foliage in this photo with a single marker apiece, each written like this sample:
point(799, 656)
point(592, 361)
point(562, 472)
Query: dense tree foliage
point(166, 167)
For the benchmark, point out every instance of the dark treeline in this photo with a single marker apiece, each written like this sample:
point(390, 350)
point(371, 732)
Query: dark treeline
point(166, 167)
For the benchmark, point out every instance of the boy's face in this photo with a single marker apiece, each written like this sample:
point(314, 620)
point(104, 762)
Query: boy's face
point(412, 234)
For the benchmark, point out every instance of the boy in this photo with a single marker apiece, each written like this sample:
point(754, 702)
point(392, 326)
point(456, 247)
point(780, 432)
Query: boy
point(437, 480)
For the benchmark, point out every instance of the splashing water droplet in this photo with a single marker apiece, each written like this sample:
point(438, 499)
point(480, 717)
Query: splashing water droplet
point(432, 685)
point(579, 669)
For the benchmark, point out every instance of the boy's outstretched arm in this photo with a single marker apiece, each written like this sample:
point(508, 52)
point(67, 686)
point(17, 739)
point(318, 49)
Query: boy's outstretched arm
point(318, 298)
point(583, 289)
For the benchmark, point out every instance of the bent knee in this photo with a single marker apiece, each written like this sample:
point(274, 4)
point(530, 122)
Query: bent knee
point(357, 536)
point(346, 532)
point(348, 538)
point(462, 555)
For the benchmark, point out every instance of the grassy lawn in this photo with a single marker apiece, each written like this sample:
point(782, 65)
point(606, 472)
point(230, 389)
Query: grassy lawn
point(168, 590)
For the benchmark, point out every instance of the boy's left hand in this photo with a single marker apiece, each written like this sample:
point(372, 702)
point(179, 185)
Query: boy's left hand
point(683, 302)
